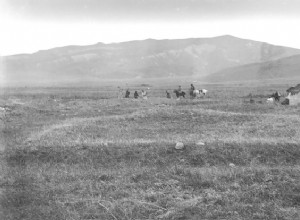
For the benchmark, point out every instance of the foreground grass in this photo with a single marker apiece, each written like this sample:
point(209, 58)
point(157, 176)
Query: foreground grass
point(151, 181)
point(89, 158)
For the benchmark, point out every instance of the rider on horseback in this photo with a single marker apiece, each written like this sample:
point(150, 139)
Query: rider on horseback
point(179, 92)
point(192, 87)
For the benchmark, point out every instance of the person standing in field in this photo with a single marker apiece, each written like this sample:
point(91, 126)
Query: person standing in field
point(277, 96)
point(135, 95)
point(127, 93)
point(192, 87)
point(168, 94)
point(192, 95)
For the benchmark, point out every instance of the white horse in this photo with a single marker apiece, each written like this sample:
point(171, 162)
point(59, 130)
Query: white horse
point(197, 92)
point(144, 94)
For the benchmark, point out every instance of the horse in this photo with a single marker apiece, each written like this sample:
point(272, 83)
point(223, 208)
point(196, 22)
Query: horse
point(179, 93)
point(144, 94)
point(197, 93)
point(203, 91)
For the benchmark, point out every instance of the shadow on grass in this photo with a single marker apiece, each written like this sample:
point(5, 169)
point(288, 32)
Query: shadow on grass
point(161, 153)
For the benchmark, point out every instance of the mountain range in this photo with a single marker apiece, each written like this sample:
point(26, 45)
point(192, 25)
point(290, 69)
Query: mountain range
point(284, 68)
point(223, 58)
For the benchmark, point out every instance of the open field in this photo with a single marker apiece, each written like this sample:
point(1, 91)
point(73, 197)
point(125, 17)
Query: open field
point(81, 153)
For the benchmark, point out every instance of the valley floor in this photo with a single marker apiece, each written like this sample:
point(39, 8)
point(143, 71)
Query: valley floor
point(84, 154)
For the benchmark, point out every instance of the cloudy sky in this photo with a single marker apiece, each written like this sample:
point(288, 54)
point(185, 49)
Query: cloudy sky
point(31, 25)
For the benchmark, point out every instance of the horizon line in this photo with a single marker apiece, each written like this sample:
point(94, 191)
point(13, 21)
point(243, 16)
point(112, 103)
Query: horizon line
point(145, 39)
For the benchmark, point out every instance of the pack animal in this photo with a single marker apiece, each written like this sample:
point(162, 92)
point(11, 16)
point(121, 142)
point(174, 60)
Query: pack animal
point(197, 92)
point(179, 93)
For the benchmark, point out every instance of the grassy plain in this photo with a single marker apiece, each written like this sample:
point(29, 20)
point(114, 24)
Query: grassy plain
point(81, 153)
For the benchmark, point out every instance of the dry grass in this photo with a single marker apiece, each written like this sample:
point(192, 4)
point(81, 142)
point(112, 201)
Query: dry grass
point(87, 155)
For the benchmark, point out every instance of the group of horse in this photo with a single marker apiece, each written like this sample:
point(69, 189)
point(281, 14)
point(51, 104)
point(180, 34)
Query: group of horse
point(196, 93)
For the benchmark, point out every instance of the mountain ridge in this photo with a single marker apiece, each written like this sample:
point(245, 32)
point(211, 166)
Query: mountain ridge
point(141, 59)
point(284, 68)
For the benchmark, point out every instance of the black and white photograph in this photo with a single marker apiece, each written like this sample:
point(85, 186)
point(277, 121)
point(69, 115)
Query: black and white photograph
point(149, 109)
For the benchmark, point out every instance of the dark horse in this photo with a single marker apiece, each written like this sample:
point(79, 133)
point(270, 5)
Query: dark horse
point(179, 93)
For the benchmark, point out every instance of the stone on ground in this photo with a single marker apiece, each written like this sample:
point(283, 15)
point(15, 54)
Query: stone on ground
point(179, 146)
point(200, 143)
point(231, 165)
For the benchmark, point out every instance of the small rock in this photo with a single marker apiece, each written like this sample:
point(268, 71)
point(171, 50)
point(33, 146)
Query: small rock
point(200, 143)
point(179, 146)
point(231, 165)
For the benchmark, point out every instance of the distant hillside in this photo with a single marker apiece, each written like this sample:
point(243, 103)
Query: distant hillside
point(139, 59)
point(285, 68)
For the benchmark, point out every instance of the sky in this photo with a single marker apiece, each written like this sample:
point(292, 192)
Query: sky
point(31, 25)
